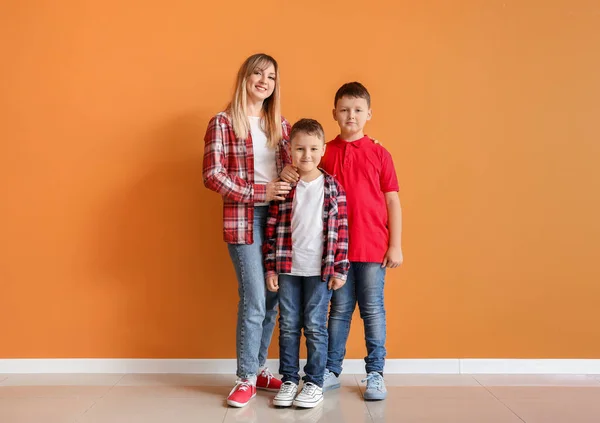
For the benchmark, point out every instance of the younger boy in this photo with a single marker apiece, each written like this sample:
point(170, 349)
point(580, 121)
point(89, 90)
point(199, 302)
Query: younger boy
point(366, 171)
point(306, 257)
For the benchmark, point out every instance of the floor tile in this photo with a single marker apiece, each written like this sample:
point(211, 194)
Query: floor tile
point(46, 410)
point(161, 379)
point(427, 380)
point(556, 411)
point(441, 410)
point(46, 391)
point(437, 392)
point(545, 392)
point(536, 380)
point(62, 379)
point(342, 405)
point(153, 410)
point(168, 391)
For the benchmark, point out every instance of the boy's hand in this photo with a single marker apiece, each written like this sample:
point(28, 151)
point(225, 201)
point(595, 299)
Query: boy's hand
point(290, 174)
point(335, 283)
point(393, 258)
point(375, 141)
point(273, 283)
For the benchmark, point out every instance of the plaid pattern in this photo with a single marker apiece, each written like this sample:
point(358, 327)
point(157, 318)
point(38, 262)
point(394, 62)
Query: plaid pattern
point(228, 169)
point(277, 246)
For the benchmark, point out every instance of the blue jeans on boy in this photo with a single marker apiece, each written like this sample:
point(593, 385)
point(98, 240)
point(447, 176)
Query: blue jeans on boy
point(365, 285)
point(303, 304)
point(257, 308)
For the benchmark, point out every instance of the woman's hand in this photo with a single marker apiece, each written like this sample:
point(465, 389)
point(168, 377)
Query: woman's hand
point(290, 174)
point(277, 190)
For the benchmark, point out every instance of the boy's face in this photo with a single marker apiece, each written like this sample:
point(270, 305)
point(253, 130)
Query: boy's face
point(351, 114)
point(307, 151)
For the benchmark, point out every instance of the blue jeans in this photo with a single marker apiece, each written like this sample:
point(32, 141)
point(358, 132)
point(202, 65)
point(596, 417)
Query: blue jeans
point(303, 304)
point(257, 308)
point(365, 285)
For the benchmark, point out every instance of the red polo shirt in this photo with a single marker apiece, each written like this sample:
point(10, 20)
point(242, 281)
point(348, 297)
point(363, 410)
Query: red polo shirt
point(366, 171)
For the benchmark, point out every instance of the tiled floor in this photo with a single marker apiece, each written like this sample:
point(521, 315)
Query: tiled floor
point(173, 398)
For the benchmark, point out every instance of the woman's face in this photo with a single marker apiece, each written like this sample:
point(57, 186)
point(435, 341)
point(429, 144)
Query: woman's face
point(261, 84)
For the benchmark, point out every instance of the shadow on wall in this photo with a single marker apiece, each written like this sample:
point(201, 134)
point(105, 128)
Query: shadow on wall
point(160, 244)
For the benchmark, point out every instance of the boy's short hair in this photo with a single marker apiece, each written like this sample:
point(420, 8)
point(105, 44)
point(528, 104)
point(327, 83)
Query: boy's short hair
point(308, 126)
point(352, 90)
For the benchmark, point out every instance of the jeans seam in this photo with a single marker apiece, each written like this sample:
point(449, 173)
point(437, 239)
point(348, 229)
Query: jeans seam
point(242, 371)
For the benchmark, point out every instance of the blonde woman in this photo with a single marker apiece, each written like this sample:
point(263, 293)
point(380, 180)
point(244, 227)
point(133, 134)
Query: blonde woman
point(246, 151)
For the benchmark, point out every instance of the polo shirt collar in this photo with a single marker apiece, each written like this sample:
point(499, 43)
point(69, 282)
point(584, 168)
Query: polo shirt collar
point(357, 144)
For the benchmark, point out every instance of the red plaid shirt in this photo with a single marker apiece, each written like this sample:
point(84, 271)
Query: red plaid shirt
point(228, 168)
point(277, 246)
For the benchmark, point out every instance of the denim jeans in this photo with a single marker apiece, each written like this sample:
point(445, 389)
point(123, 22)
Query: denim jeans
point(257, 307)
point(365, 285)
point(303, 304)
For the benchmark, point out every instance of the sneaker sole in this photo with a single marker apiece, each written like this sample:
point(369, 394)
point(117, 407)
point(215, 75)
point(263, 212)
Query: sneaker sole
point(375, 397)
point(282, 403)
point(239, 404)
point(301, 404)
point(330, 387)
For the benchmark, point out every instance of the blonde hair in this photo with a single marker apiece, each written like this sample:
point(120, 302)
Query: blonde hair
point(271, 118)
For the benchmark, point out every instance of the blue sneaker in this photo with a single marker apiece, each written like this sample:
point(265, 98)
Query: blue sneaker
point(375, 387)
point(330, 381)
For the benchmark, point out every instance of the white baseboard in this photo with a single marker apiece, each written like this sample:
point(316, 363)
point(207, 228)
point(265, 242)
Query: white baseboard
point(531, 366)
point(356, 366)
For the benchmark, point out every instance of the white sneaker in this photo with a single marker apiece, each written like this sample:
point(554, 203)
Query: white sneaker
point(330, 381)
point(310, 396)
point(286, 394)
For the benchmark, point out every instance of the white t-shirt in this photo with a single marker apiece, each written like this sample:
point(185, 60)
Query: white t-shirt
point(265, 166)
point(307, 228)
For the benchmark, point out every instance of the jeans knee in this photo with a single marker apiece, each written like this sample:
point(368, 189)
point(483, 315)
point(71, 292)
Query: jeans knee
point(315, 329)
point(289, 326)
point(316, 337)
point(342, 311)
point(372, 310)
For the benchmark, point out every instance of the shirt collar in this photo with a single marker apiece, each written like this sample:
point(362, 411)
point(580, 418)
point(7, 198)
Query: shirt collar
point(357, 144)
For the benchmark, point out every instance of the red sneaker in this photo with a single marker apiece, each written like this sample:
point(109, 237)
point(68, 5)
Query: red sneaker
point(241, 394)
point(265, 380)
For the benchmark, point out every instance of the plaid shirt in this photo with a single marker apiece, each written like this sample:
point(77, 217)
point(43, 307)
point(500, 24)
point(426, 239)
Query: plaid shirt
point(277, 246)
point(228, 168)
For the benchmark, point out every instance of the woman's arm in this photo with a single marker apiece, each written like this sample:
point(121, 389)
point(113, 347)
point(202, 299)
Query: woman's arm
point(214, 168)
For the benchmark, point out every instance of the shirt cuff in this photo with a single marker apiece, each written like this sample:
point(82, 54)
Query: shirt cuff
point(260, 193)
point(340, 276)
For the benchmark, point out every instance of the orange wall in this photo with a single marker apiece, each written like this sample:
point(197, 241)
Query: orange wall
point(111, 246)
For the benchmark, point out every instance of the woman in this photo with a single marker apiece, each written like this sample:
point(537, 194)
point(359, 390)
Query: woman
point(246, 149)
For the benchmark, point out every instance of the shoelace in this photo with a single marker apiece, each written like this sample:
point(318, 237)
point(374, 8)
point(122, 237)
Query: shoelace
point(328, 374)
point(287, 387)
point(309, 389)
point(373, 379)
point(240, 385)
point(267, 373)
